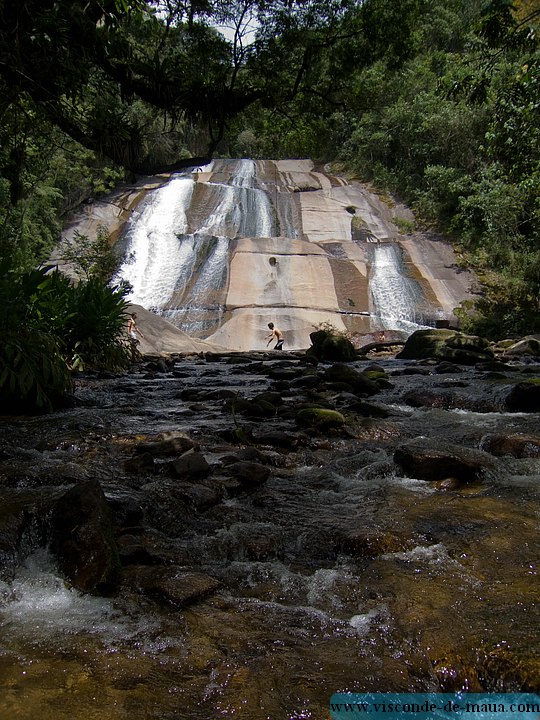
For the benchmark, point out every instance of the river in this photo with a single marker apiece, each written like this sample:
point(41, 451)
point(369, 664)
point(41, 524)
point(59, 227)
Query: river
point(337, 573)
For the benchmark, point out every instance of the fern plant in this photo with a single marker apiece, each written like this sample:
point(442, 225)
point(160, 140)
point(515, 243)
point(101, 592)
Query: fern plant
point(50, 328)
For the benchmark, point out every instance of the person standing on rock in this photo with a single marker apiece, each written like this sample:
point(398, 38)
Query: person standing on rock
point(277, 334)
point(133, 330)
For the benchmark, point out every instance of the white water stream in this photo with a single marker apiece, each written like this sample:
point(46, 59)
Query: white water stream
point(156, 256)
point(177, 274)
point(396, 299)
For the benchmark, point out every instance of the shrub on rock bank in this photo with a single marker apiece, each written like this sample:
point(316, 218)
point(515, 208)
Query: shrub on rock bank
point(49, 328)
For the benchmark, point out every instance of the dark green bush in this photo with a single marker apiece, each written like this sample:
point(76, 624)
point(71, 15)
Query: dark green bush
point(49, 328)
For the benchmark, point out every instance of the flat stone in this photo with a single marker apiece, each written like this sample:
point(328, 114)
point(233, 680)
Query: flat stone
point(174, 585)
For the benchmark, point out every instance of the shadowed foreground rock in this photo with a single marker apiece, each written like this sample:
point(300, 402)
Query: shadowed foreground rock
point(524, 397)
point(82, 538)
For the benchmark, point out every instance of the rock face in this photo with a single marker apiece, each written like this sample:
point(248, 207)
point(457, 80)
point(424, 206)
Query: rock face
point(220, 253)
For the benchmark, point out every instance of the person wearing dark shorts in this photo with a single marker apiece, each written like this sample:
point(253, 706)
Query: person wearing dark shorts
point(275, 334)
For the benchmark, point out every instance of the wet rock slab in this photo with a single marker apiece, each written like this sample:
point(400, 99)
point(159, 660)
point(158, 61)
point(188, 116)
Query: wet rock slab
point(174, 585)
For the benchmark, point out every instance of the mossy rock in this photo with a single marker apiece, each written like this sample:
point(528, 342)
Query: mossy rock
point(359, 382)
point(527, 346)
point(376, 374)
point(319, 418)
point(444, 344)
point(331, 347)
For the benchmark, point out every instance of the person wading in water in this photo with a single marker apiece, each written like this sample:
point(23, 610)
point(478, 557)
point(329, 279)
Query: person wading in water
point(277, 334)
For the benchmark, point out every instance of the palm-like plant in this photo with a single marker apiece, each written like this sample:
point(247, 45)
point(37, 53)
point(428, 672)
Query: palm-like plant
point(49, 328)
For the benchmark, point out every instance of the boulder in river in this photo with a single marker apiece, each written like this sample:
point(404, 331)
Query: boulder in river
point(527, 346)
point(319, 418)
point(83, 540)
point(171, 443)
point(524, 396)
point(191, 465)
point(174, 585)
point(248, 474)
point(344, 375)
point(444, 344)
point(427, 459)
point(515, 445)
point(329, 346)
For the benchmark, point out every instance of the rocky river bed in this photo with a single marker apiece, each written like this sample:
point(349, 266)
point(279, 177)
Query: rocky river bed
point(243, 534)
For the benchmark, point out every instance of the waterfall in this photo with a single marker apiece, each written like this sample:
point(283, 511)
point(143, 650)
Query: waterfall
point(243, 211)
point(156, 256)
point(201, 311)
point(396, 299)
point(244, 176)
point(178, 274)
point(252, 213)
point(201, 248)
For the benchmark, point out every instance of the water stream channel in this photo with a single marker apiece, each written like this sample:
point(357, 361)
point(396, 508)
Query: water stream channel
point(336, 571)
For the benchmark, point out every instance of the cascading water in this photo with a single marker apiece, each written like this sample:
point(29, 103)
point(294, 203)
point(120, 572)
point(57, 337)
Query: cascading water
point(156, 256)
point(193, 316)
point(244, 210)
point(396, 299)
point(181, 275)
point(38, 604)
point(336, 572)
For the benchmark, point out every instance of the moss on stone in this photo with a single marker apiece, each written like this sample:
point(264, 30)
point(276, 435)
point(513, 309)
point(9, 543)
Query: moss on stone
point(375, 374)
point(319, 418)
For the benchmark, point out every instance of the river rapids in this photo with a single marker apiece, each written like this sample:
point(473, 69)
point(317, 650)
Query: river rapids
point(333, 571)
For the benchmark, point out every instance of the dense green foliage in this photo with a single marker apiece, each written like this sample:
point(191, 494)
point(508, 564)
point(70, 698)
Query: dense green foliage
point(435, 101)
point(50, 327)
point(439, 103)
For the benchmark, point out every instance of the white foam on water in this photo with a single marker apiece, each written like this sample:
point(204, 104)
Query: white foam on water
point(413, 484)
point(363, 622)
point(38, 605)
point(422, 553)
